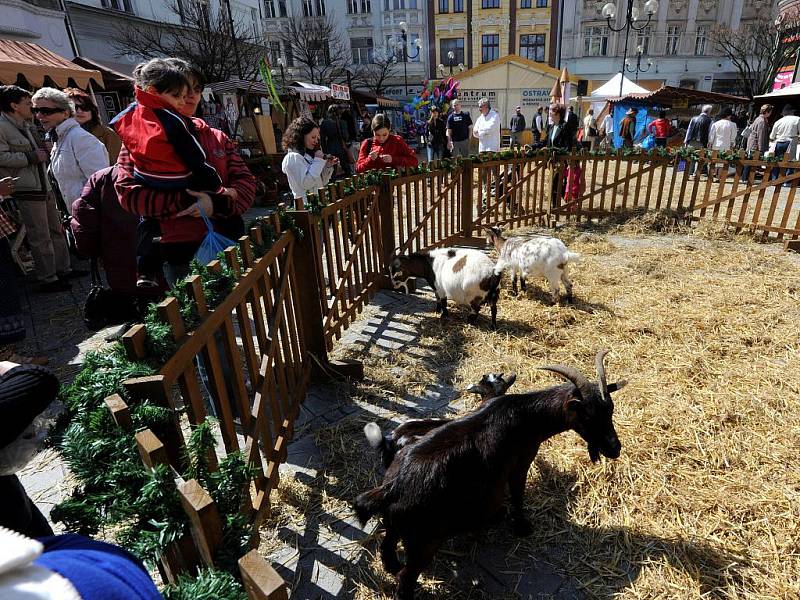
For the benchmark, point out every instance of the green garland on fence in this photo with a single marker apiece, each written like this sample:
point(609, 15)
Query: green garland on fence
point(116, 490)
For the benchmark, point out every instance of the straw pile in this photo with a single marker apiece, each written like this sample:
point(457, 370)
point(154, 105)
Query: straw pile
point(704, 501)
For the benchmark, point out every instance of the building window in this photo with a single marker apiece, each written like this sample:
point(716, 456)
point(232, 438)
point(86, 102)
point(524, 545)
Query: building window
point(123, 5)
point(541, 3)
point(595, 41)
point(701, 37)
point(274, 52)
point(673, 40)
point(454, 45)
point(490, 3)
point(525, 3)
point(643, 40)
point(444, 7)
point(320, 8)
point(287, 49)
point(308, 8)
point(269, 9)
point(282, 8)
point(458, 6)
point(354, 5)
point(531, 46)
point(490, 47)
point(254, 19)
point(363, 50)
point(398, 4)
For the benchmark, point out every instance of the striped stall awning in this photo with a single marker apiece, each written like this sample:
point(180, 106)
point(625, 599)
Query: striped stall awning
point(309, 91)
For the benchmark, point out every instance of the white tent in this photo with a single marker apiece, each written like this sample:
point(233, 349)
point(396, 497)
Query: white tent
point(610, 89)
point(789, 90)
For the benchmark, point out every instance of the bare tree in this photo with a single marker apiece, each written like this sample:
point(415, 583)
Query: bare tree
point(202, 37)
point(318, 50)
point(375, 75)
point(759, 49)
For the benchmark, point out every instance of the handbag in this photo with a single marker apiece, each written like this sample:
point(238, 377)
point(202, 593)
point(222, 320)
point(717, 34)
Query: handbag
point(104, 306)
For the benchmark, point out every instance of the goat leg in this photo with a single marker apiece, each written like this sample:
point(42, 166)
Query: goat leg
point(391, 563)
point(514, 290)
point(522, 283)
point(443, 307)
point(419, 555)
point(516, 486)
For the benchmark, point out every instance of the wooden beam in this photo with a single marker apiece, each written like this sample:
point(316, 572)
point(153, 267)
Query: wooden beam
point(261, 581)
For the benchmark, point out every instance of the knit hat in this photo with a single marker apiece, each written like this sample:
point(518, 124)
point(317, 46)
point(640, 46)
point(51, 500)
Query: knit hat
point(26, 392)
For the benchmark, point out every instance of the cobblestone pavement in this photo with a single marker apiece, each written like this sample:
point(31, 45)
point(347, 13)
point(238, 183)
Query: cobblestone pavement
point(318, 553)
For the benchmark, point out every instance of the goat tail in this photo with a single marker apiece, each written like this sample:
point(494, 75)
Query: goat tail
point(368, 504)
point(572, 256)
point(378, 441)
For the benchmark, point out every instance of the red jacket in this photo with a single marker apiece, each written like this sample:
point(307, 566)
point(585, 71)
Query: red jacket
point(402, 155)
point(163, 146)
point(661, 126)
point(146, 201)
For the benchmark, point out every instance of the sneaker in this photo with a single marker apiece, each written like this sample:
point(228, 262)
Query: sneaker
point(59, 285)
point(146, 282)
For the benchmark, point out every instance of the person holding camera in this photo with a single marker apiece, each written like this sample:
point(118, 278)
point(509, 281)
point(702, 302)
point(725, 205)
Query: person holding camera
point(384, 149)
point(306, 167)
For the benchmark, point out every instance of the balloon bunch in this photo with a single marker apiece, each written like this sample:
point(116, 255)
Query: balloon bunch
point(439, 95)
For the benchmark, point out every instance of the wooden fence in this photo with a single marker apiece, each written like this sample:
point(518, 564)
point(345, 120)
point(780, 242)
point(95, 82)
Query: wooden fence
point(256, 352)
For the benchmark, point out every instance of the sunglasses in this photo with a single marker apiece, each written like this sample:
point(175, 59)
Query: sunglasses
point(47, 111)
point(82, 108)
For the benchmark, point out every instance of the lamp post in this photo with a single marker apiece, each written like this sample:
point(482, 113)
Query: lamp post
point(638, 69)
point(406, 55)
point(451, 59)
point(632, 15)
point(282, 65)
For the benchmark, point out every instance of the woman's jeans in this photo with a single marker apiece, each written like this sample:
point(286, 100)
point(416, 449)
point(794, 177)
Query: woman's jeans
point(435, 153)
point(780, 152)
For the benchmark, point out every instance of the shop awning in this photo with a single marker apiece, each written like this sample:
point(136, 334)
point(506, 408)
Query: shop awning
point(243, 86)
point(369, 98)
point(110, 76)
point(783, 93)
point(35, 63)
point(674, 96)
point(309, 92)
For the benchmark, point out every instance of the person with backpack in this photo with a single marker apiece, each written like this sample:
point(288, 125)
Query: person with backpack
point(697, 133)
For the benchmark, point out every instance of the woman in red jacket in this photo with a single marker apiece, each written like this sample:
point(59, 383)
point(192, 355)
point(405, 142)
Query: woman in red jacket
point(384, 149)
point(661, 129)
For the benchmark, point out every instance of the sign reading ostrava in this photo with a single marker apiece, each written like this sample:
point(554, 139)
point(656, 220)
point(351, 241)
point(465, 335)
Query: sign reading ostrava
point(535, 97)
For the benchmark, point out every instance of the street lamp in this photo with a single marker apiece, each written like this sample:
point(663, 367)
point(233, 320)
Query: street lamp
point(632, 15)
point(406, 55)
point(282, 65)
point(451, 59)
point(638, 69)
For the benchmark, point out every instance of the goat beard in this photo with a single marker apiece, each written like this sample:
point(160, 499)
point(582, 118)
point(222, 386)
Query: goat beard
point(594, 452)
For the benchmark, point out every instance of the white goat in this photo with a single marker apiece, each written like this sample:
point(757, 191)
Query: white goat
point(467, 277)
point(541, 256)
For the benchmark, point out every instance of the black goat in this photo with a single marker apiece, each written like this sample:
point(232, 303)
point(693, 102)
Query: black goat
point(490, 386)
point(453, 479)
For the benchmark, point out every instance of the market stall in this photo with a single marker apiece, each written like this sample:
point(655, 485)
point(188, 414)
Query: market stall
point(32, 66)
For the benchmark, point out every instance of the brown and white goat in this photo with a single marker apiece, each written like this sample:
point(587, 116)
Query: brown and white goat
point(490, 386)
point(465, 276)
point(453, 479)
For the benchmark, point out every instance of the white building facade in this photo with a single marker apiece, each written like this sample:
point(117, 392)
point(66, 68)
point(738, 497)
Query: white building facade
point(36, 21)
point(368, 28)
point(677, 42)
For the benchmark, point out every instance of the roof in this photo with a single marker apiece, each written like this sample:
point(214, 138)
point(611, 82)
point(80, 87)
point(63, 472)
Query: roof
point(667, 95)
point(790, 90)
point(364, 97)
point(610, 89)
point(35, 63)
point(233, 86)
point(308, 91)
point(515, 58)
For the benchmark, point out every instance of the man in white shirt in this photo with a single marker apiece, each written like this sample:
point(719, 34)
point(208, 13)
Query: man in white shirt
point(487, 127)
point(607, 131)
point(722, 135)
point(784, 135)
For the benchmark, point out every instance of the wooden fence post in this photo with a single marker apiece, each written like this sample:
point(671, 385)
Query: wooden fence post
point(467, 200)
point(386, 208)
point(154, 388)
point(204, 518)
point(261, 581)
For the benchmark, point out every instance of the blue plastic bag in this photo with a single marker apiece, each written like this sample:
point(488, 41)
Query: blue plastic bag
point(649, 142)
point(213, 243)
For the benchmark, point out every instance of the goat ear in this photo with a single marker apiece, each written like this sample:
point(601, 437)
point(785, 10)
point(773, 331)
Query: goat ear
point(617, 385)
point(474, 389)
point(575, 405)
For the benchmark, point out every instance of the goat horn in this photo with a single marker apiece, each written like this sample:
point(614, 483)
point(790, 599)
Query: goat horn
point(572, 375)
point(601, 374)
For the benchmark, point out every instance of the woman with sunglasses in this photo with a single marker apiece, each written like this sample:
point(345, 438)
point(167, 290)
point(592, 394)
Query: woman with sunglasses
point(88, 116)
point(76, 153)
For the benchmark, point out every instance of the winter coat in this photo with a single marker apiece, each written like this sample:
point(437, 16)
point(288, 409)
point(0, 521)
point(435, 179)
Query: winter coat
point(75, 157)
point(758, 140)
point(109, 138)
point(402, 155)
point(180, 237)
point(18, 144)
point(305, 172)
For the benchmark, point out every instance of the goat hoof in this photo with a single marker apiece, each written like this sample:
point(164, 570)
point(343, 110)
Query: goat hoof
point(522, 527)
